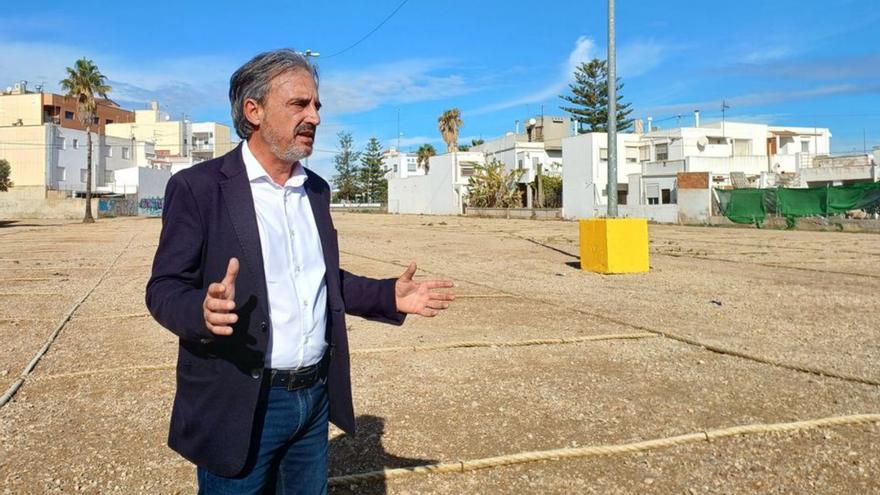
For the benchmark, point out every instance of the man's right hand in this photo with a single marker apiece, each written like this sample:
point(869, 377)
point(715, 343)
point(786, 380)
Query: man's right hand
point(220, 302)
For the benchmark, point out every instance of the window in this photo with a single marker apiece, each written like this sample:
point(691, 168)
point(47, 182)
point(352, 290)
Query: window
point(68, 115)
point(109, 152)
point(467, 170)
point(395, 168)
point(632, 155)
point(83, 175)
point(126, 153)
point(61, 173)
point(603, 154)
point(108, 177)
point(76, 144)
point(644, 153)
point(716, 140)
point(662, 152)
point(109, 121)
point(411, 165)
point(742, 147)
point(805, 146)
point(652, 193)
point(666, 196)
point(62, 143)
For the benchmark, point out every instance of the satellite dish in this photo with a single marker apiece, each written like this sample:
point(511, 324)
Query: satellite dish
point(702, 142)
point(533, 122)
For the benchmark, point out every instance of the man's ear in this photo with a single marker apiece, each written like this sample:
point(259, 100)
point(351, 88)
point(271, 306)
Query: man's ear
point(253, 112)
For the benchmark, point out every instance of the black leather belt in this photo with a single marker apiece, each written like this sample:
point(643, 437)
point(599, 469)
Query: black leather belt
point(301, 377)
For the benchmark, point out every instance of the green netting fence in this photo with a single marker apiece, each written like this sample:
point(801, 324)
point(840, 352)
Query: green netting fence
point(755, 205)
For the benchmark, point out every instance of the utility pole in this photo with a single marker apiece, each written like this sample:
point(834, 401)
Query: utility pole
point(612, 116)
point(724, 107)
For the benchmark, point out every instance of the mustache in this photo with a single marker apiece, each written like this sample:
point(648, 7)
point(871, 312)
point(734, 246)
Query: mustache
point(305, 127)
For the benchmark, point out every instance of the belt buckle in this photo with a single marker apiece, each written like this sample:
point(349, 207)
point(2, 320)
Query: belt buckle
point(296, 381)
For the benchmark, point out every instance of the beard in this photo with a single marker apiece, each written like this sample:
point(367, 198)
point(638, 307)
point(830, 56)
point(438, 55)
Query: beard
point(290, 152)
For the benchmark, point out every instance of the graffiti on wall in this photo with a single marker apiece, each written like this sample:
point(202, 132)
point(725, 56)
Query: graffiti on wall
point(117, 207)
point(150, 207)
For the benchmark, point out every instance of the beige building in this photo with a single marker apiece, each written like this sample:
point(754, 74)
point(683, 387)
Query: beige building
point(171, 137)
point(210, 140)
point(21, 107)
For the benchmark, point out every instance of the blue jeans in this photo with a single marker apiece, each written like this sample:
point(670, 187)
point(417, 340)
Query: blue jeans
point(291, 449)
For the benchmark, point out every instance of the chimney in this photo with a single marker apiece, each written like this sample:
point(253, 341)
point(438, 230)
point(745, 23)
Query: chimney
point(696, 118)
point(650, 124)
point(154, 105)
point(640, 127)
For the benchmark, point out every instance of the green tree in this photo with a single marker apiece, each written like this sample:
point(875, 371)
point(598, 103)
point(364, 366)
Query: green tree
point(423, 155)
point(84, 83)
point(552, 188)
point(449, 123)
point(493, 186)
point(5, 171)
point(345, 161)
point(371, 176)
point(589, 99)
point(476, 142)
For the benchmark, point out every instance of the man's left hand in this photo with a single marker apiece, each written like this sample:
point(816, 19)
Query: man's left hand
point(421, 298)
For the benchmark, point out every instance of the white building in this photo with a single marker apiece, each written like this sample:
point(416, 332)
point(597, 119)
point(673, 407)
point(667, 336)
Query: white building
point(401, 164)
point(441, 191)
point(648, 164)
point(585, 172)
point(67, 156)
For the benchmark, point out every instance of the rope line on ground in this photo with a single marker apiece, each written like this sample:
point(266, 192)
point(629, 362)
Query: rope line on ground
point(602, 450)
point(378, 350)
point(16, 385)
point(671, 336)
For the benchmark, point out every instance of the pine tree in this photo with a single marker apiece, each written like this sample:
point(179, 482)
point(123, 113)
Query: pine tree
point(589, 99)
point(371, 176)
point(345, 160)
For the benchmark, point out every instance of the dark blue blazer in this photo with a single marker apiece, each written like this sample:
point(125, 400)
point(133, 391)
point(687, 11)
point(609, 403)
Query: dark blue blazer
point(209, 217)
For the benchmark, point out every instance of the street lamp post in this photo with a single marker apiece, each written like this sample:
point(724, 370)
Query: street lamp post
point(612, 116)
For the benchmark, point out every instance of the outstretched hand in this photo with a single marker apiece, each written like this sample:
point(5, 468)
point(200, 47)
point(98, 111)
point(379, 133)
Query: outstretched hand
point(421, 298)
point(220, 302)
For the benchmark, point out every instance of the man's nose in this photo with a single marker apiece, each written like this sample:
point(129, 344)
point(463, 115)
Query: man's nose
point(313, 116)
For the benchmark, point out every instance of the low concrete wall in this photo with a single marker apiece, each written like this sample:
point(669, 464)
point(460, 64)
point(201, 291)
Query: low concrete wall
point(531, 213)
point(831, 224)
point(654, 213)
point(47, 208)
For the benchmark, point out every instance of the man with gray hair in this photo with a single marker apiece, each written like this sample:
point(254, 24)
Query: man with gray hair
point(247, 275)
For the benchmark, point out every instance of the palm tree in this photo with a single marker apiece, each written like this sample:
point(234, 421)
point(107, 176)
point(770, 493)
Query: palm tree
point(449, 123)
point(425, 152)
point(84, 82)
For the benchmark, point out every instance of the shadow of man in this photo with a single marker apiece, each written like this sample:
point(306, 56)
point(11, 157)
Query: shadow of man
point(364, 453)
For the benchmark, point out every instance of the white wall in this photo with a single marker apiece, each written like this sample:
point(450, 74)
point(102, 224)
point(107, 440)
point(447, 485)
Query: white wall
point(148, 183)
point(68, 156)
point(431, 194)
point(585, 176)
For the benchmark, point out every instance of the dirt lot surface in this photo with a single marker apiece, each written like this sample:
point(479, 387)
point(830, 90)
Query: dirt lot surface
point(92, 417)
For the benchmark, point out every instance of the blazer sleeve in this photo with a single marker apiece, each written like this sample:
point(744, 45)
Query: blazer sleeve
point(370, 298)
point(175, 292)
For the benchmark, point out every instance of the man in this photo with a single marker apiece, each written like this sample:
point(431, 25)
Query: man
point(247, 275)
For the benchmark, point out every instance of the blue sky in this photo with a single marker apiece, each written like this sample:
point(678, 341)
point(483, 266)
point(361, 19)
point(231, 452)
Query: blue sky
point(785, 62)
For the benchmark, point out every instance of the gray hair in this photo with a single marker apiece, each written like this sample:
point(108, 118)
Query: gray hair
point(252, 80)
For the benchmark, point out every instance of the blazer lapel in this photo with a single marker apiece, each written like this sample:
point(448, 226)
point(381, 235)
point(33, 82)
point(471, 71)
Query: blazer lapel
point(239, 202)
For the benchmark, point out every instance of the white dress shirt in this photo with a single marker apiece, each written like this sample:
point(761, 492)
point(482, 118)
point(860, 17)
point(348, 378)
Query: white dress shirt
point(294, 266)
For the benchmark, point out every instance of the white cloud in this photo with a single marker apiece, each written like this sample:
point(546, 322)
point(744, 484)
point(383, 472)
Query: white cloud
point(634, 59)
point(584, 50)
point(401, 82)
point(768, 98)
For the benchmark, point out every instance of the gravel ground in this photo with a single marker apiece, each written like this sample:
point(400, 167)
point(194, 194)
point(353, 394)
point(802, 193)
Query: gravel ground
point(83, 424)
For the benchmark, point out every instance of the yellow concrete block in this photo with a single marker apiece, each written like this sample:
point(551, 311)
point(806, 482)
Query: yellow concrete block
point(614, 245)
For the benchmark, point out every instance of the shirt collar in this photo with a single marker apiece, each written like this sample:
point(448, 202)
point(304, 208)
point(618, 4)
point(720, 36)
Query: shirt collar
point(255, 170)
